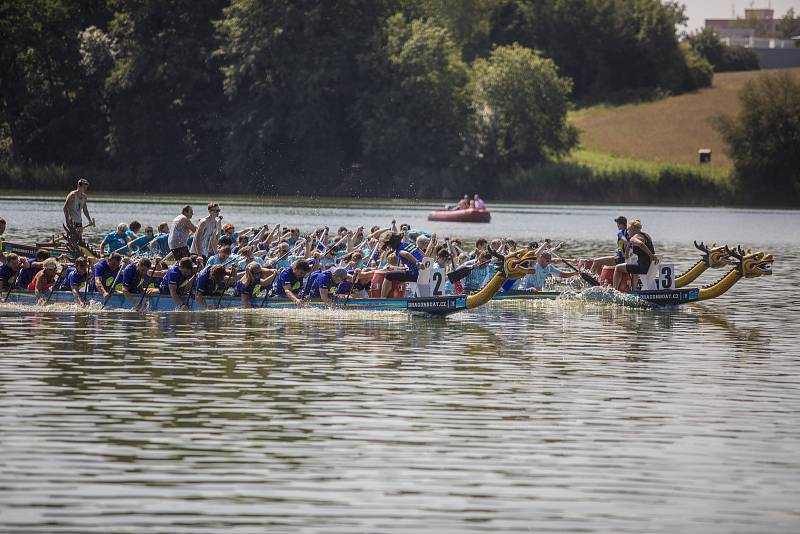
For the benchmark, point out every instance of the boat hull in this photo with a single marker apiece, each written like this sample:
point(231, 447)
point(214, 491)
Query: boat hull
point(434, 306)
point(468, 215)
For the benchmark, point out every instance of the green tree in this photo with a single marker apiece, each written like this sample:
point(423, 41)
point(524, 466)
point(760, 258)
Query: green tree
point(764, 140)
point(415, 109)
point(164, 91)
point(292, 78)
point(724, 58)
point(790, 25)
point(48, 112)
point(519, 105)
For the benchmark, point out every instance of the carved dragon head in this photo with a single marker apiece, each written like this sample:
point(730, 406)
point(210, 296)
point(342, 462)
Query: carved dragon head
point(715, 257)
point(752, 264)
point(517, 264)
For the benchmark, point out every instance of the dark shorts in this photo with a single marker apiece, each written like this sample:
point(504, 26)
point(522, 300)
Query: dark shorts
point(77, 225)
point(401, 276)
point(179, 253)
point(640, 268)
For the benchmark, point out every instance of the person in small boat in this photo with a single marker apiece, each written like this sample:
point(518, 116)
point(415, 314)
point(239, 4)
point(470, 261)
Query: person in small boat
point(105, 274)
point(463, 203)
point(178, 280)
point(9, 272)
point(212, 282)
point(643, 253)
point(30, 267)
point(76, 280)
point(254, 281)
point(44, 280)
point(207, 235)
point(134, 277)
point(408, 254)
point(75, 205)
point(182, 226)
point(544, 269)
point(115, 241)
point(622, 251)
point(325, 283)
point(479, 203)
point(289, 283)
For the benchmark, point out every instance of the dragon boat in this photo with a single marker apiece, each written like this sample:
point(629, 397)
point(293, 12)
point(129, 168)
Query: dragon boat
point(513, 266)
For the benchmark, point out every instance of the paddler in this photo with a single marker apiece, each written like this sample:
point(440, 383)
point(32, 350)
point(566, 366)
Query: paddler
point(30, 267)
point(254, 281)
point(643, 253)
point(116, 240)
point(622, 248)
point(44, 279)
point(75, 205)
point(9, 272)
point(178, 280)
point(544, 268)
point(210, 282)
point(408, 254)
point(105, 274)
point(76, 279)
point(325, 284)
point(134, 277)
point(289, 283)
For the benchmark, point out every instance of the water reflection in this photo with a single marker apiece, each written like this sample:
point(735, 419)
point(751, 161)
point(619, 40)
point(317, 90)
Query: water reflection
point(563, 415)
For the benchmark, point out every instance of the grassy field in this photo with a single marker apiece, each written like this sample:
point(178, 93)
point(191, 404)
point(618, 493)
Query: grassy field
point(668, 131)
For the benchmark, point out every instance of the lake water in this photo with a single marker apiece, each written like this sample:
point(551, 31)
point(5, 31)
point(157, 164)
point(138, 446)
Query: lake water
point(563, 416)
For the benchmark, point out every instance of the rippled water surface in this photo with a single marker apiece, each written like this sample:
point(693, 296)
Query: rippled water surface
point(564, 416)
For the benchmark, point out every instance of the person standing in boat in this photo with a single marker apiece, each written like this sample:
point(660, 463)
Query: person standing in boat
point(207, 234)
point(643, 250)
point(622, 251)
point(182, 226)
point(75, 205)
point(408, 254)
point(2, 231)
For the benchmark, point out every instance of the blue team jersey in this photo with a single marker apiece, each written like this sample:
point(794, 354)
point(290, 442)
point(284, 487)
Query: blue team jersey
point(140, 244)
point(174, 277)
point(622, 245)
point(205, 284)
point(27, 272)
point(114, 241)
point(8, 277)
point(323, 280)
point(74, 280)
point(106, 274)
point(253, 288)
point(412, 249)
point(287, 277)
point(131, 279)
point(161, 244)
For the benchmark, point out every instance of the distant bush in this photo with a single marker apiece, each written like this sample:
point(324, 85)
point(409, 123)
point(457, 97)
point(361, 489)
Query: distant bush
point(764, 139)
point(724, 58)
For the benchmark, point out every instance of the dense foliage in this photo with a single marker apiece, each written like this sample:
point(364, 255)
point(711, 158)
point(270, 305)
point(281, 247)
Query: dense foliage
point(764, 139)
point(306, 96)
point(724, 58)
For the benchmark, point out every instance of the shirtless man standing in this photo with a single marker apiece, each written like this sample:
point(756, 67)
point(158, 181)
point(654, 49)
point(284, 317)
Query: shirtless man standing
point(75, 205)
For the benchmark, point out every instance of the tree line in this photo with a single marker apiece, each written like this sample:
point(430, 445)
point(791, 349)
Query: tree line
point(373, 97)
